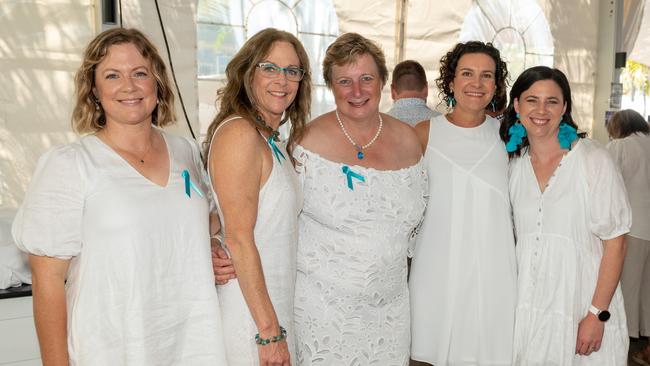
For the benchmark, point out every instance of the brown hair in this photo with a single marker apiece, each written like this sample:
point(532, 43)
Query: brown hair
point(449, 62)
point(409, 75)
point(626, 122)
point(85, 117)
point(237, 97)
point(346, 49)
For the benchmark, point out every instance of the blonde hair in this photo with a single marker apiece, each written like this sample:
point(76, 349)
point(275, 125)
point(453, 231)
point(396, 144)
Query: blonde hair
point(346, 49)
point(86, 117)
point(237, 96)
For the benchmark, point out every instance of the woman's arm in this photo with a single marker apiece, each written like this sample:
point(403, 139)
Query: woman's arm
point(237, 167)
point(50, 313)
point(590, 329)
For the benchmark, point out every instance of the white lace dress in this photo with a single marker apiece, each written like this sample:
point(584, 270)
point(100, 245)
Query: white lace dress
point(352, 300)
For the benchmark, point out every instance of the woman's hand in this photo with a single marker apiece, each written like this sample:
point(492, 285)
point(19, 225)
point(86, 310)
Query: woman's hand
point(590, 335)
point(221, 264)
point(274, 354)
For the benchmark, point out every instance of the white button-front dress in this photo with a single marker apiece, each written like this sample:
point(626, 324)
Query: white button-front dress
point(140, 289)
point(559, 248)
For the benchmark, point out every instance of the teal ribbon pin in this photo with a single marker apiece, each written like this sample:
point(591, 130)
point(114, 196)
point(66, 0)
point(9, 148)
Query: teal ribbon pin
point(276, 150)
point(351, 174)
point(189, 185)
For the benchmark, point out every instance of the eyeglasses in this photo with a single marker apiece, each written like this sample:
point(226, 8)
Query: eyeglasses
point(271, 70)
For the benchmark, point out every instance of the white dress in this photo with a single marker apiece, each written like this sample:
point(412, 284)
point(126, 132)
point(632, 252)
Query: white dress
point(352, 302)
point(276, 236)
point(463, 273)
point(140, 288)
point(559, 249)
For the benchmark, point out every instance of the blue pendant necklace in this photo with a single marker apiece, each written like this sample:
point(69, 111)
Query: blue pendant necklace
point(360, 148)
point(273, 138)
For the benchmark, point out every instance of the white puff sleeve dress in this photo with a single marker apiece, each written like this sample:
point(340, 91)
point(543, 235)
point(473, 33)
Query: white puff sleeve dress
point(559, 248)
point(140, 288)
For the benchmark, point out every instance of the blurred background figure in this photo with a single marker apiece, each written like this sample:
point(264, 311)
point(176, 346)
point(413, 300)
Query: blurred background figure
point(409, 89)
point(630, 148)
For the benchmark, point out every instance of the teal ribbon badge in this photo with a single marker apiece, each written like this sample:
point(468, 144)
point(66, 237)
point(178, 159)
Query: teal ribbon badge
point(351, 174)
point(189, 185)
point(276, 150)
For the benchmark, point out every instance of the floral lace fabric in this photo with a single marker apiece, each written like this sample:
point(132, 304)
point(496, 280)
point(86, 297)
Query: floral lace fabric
point(352, 302)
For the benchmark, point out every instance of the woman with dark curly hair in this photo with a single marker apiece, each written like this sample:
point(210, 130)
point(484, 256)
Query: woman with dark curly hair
point(570, 212)
point(463, 274)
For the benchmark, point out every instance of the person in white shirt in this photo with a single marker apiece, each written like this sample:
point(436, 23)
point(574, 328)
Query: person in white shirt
point(630, 148)
point(409, 89)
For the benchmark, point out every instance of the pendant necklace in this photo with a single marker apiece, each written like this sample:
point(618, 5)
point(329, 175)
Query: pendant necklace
point(360, 148)
point(141, 159)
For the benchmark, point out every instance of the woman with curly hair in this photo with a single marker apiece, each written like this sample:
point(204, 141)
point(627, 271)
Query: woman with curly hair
point(463, 273)
point(258, 195)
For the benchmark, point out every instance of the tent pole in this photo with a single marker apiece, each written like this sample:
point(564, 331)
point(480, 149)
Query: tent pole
point(401, 30)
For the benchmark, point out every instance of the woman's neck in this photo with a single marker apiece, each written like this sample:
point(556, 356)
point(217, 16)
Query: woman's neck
point(544, 148)
point(465, 118)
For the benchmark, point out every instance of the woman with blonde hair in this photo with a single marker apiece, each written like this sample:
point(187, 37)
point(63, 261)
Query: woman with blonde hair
point(258, 195)
point(116, 224)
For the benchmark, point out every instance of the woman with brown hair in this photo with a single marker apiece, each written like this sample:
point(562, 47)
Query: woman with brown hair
point(258, 194)
point(116, 224)
point(463, 274)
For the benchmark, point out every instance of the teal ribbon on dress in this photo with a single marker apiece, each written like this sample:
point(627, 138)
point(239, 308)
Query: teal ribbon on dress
point(276, 151)
point(189, 185)
point(351, 174)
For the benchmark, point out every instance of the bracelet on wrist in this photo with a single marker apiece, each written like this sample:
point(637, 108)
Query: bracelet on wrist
point(264, 341)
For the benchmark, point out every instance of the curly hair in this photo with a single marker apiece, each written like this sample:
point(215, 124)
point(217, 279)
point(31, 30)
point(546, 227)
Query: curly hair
point(238, 98)
point(449, 62)
point(626, 122)
point(346, 49)
point(523, 83)
point(87, 115)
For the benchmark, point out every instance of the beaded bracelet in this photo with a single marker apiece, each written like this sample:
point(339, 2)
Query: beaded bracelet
point(264, 341)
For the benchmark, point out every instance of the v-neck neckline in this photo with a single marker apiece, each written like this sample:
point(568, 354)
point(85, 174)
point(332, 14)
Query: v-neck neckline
point(136, 171)
point(556, 170)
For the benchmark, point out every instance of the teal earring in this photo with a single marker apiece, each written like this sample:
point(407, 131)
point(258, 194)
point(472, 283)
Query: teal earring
point(566, 135)
point(517, 132)
point(493, 104)
point(451, 101)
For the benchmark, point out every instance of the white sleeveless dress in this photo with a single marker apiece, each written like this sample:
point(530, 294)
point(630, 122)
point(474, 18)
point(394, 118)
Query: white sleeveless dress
point(276, 236)
point(352, 299)
point(463, 274)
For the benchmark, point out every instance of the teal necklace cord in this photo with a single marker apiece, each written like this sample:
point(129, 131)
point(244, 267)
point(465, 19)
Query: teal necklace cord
point(273, 138)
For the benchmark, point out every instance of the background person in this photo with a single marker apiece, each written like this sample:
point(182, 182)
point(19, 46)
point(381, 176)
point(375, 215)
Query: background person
point(570, 212)
point(113, 232)
point(258, 194)
point(463, 274)
point(409, 90)
point(630, 147)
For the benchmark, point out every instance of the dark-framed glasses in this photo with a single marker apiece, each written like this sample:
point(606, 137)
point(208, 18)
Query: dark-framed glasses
point(292, 73)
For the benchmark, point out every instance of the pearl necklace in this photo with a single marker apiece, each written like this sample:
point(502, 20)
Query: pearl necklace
point(357, 146)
